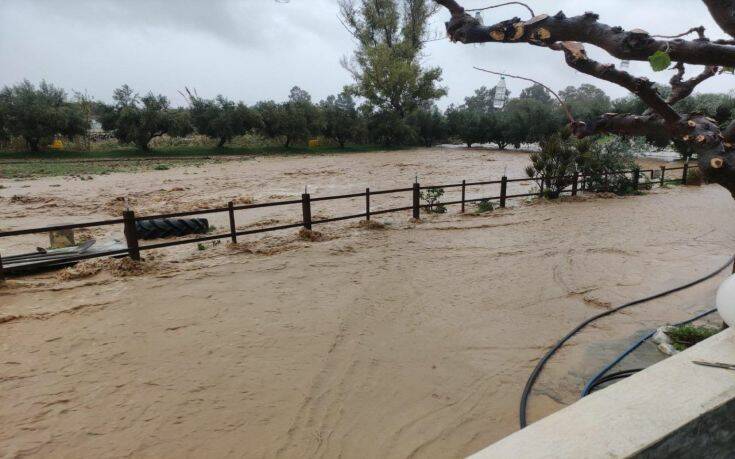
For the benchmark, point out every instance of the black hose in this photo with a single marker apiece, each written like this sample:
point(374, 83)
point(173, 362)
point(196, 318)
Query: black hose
point(593, 382)
point(540, 365)
point(613, 377)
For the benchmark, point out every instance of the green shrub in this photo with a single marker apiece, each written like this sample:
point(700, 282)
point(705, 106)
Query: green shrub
point(485, 205)
point(553, 167)
point(161, 167)
point(688, 335)
point(432, 197)
point(600, 160)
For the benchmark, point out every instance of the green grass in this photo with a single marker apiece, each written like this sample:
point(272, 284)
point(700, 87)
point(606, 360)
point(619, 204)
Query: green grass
point(85, 170)
point(689, 335)
point(173, 152)
point(23, 164)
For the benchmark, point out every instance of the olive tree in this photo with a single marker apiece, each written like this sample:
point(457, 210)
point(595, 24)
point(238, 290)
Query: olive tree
point(138, 120)
point(221, 118)
point(340, 120)
point(39, 114)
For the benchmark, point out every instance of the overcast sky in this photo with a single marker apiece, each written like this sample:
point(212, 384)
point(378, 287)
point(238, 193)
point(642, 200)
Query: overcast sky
point(258, 49)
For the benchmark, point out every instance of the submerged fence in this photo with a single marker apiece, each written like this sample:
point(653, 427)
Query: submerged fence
point(134, 248)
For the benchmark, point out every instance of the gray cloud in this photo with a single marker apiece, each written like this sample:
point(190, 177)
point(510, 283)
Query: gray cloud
point(257, 49)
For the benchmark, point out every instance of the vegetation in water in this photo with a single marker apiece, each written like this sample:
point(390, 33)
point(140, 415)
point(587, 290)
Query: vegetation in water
point(432, 197)
point(688, 335)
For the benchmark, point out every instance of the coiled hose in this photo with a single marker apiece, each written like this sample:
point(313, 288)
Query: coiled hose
point(540, 365)
point(600, 377)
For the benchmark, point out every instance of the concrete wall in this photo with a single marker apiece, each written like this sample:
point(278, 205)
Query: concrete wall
point(672, 409)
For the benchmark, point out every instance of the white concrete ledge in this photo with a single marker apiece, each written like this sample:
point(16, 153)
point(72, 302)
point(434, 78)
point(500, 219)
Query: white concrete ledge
point(672, 409)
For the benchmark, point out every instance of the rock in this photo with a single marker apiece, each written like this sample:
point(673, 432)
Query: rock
point(667, 349)
point(660, 337)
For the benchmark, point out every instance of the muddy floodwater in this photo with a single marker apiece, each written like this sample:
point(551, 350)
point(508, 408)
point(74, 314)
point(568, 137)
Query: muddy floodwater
point(408, 339)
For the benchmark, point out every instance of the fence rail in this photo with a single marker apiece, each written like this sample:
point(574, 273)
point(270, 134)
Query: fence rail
point(133, 249)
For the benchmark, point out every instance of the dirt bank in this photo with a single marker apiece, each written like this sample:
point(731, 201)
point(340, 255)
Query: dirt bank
point(413, 339)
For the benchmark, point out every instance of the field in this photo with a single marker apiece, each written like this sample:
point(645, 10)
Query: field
point(22, 164)
point(413, 339)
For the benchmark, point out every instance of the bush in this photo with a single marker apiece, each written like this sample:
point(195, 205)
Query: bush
point(600, 160)
point(485, 205)
point(432, 197)
point(688, 335)
point(553, 167)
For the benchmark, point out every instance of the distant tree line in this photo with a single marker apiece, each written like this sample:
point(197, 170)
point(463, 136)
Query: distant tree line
point(38, 114)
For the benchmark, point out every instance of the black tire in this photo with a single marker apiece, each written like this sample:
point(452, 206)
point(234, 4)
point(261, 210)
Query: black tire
point(170, 227)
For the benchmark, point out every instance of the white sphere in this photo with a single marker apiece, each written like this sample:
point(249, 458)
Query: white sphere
point(725, 300)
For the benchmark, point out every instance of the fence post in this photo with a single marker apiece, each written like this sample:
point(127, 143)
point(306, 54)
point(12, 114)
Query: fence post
point(684, 173)
point(306, 208)
point(575, 183)
point(131, 235)
point(541, 189)
point(416, 201)
point(464, 186)
point(636, 178)
point(2, 271)
point(503, 190)
point(663, 173)
point(233, 229)
point(367, 204)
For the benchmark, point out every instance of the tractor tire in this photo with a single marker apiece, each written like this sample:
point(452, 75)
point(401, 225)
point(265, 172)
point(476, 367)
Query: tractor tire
point(170, 227)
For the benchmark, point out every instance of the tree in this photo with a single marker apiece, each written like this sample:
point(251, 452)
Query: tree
point(294, 120)
point(340, 119)
point(535, 120)
point(39, 114)
point(482, 100)
point(467, 125)
point(221, 118)
point(272, 116)
point(587, 101)
point(301, 117)
point(139, 120)
point(538, 93)
point(4, 135)
point(429, 124)
point(387, 66)
point(503, 129)
point(714, 146)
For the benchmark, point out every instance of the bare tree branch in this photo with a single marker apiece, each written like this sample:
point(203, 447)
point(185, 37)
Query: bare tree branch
point(681, 88)
point(699, 30)
point(577, 58)
point(504, 4)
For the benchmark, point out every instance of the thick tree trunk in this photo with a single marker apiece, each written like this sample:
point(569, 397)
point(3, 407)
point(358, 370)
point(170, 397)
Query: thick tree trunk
point(33, 144)
point(222, 142)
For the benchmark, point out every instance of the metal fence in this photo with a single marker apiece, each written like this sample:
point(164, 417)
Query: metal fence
point(134, 247)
